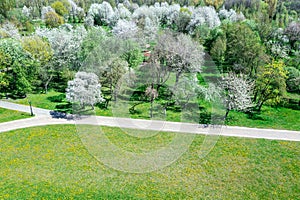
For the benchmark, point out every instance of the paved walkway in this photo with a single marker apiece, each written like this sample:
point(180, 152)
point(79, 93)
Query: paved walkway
point(43, 117)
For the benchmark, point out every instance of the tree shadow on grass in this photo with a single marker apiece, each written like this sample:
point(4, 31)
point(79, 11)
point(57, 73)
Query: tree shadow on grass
point(57, 99)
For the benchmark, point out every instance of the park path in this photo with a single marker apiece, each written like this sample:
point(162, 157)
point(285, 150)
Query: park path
point(43, 117)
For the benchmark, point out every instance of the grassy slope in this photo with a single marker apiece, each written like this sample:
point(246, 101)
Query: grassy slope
point(51, 162)
point(10, 115)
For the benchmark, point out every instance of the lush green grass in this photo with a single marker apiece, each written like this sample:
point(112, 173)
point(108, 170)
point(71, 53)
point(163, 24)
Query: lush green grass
point(10, 115)
point(270, 117)
point(277, 118)
point(52, 163)
point(46, 101)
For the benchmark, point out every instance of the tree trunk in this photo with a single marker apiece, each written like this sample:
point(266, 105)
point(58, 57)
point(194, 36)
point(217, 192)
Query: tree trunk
point(226, 115)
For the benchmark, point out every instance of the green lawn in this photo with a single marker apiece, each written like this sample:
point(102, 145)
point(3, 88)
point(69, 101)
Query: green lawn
point(52, 163)
point(10, 115)
point(277, 118)
point(270, 117)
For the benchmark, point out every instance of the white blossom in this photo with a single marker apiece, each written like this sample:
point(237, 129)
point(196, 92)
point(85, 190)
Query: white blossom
point(85, 89)
point(45, 10)
point(26, 11)
point(103, 13)
point(125, 29)
point(231, 15)
point(238, 92)
point(65, 42)
point(121, 12)
point(204, 16)
point(10, 30)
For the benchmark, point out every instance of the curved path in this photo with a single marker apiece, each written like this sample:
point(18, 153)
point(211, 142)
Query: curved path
point(43, 117)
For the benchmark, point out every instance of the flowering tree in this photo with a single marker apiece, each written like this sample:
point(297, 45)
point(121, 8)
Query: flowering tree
point(65, 42)
point(204, 16)
point(179, 53)
point(45, 10)
point(231, 15)
point(103, 14)
point(125, 29)
point(85, 89)
point(76, 11)
point(9, 30)
point(237, 93)
point(121, 12)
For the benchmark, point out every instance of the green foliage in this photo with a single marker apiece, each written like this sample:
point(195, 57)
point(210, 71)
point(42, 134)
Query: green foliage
point(218, 49)
point(18, 67)
point(293, 80)
point(5, 6)
point(38, 48)
point(270, 83)
point(215, 3)
point(53, 20)
point(244, 52)
point(60, 8)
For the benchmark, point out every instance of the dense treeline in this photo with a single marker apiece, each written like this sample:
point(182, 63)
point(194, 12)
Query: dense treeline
point(255, 45)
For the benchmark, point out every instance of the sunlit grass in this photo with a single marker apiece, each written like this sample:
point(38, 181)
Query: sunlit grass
point(51, 163)
point(270, 117)
point(10, 115)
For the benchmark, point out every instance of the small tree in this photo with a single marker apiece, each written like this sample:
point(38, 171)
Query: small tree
point(152, 93)
point(237, 93)
point(52, 19)
point(85, 89)
point(270, 83)
point(60, 8)
point(42, 53)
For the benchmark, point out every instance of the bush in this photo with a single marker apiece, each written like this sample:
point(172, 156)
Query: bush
point(293, 80)
point(53, 20)
point(60, 8)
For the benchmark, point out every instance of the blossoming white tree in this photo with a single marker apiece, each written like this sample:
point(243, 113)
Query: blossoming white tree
point(204, 16)
point(65, 42)
point(85, 89)
point(237, 93)
point(125, 29)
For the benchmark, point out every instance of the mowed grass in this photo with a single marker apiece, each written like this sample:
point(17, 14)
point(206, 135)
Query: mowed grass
point(40, 100)
point(10, 115)
point(270, 117)
point(52, 163)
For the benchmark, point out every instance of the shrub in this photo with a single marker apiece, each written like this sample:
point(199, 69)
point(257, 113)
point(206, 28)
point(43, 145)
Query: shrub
point(60, 8)
point(53, 20)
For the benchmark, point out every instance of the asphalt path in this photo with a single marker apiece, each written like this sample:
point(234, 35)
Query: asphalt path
point(43, 117)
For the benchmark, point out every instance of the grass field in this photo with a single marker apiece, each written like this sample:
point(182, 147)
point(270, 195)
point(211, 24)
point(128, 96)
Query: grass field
point(277, 118)
point(10, 115)
point(52, 163)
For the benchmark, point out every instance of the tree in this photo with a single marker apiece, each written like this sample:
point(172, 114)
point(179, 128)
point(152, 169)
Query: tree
point(65, 42)
point(125, 29)
point(60, 8)
point(18, 69)
point(293, 80)
point(179, 53)
point(52, 19)
point(293, 33)
point(6, 6)
point(102, 13)
point(203, 16)
point(244, 52)
point(270, 83)
point(215, 3)
point(152, 93)
point(85, 89)
point(42, 53)
point(237, 93)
